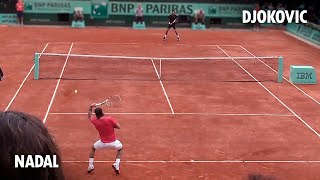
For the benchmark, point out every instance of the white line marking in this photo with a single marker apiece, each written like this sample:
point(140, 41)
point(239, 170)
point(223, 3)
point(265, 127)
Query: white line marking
point(208, 114)
point(282, 76)
point(155, 69)
point(204, 161)
point(210, 45)
point(164, 90)
point(283, 161)
point(301, 39)
point(162, 58)
point(273, 95)
point(56, 89)
point(17, 92)
point(142, 44)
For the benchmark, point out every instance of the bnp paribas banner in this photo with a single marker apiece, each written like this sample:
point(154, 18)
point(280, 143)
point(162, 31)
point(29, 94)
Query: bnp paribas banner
point(56, 6)
point(164, 9)
point(103, 8)
point(95, 7)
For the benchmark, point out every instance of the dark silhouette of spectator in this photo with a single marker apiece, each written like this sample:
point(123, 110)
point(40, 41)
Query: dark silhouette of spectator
point(270, 6)
point(312, 15)
point(265, 6)
point(260, 177)
point(280, 6)
point(301, 7)
point(24, 134)
point(1, 74)
point(257, 8)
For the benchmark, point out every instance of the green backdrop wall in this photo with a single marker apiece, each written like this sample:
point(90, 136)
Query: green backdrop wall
point(103, 12)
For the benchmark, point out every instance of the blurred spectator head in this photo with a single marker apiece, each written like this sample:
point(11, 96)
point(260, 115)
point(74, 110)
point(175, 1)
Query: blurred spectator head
point(260, 177)
point(24, 134)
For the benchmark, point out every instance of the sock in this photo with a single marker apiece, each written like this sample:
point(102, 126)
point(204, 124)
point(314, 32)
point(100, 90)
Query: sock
point(118, 163)
point(91, 161)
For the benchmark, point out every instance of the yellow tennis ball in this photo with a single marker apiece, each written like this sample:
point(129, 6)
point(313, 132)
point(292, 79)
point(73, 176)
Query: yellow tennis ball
point(75, 91)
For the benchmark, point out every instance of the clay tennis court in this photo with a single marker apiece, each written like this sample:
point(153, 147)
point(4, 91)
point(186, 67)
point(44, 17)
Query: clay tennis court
point(200, 125)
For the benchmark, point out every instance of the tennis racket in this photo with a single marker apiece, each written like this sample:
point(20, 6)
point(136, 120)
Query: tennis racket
point(173, 21)
point(111, 101)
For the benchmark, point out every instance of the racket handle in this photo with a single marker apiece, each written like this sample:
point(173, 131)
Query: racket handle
point(99, 104)
point(93, 104)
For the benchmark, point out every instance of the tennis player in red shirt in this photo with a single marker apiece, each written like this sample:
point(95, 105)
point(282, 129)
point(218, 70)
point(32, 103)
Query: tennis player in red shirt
point(105, 126)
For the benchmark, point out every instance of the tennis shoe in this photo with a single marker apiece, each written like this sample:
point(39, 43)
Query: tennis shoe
point(90, 168)
point(164, 38)
point(116, 170)
point(2, 78)
point(178, 38)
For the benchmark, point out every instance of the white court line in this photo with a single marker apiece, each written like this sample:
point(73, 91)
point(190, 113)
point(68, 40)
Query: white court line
point(162, 58)
point(143, 44)
point(210, 45)
point(17, 92)
point(164, 90)
point(282, 76)
point(56, 89)
point(314, 131)
point(204, 161)
point(207, 114)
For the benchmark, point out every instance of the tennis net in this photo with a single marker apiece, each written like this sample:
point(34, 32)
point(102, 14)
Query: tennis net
point(100, 67)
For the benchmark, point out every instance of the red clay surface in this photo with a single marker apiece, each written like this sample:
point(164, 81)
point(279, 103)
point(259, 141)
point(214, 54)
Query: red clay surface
point(269, 131)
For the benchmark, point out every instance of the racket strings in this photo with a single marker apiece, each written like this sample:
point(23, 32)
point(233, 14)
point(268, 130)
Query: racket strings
point(112, 100)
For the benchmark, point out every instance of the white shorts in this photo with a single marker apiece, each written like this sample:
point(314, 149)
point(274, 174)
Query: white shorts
point(112, 145)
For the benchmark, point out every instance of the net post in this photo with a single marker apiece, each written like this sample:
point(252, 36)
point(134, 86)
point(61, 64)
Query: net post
point(36, 66)
point(160, 69)
point(280, 69)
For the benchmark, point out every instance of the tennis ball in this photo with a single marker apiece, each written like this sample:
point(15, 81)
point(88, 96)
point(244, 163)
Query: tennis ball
point(75, 91)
